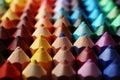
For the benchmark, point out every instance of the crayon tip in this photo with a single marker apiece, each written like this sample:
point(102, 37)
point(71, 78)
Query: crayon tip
point(108, 7)
point(18, 56)
point(62, 29)
point(106, 40)
point(63, 70)
point(34, 71)
point(89, 69)
point(27, 23)
point(46, 22)
point(75, 15)
point(81, 30)
point(60, 13)
point(41, 30)
point(102, 3)
point(60, 42)
point(7, 23)
point(87, 53)
point(19, 41)
point(62, 20)
point(102, 29)
point(22, 31)
point(62, 35)
point(10, 14)
point(113, 70)
point(83, 41)
point(43, 13)
point(115, 23)
point(107, 56)
point(9, 71)
point(94, 14)
point(40, 41)
point(41, 55)
point(98, 22)
point(18, 6)
point(90, 7)
point(113, 14)
point(63, 54)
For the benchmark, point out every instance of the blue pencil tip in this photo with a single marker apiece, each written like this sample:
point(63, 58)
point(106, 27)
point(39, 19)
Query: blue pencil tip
point(62, 35)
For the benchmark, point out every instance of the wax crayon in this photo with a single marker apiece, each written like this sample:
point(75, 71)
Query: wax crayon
point(32, 5)
point(94, 14)
point(42, 30)
point(74, 4)
point(78, 21)
point(43, 13)
point(63, 29)
point(18, 6)
point(34, 71)
point(108, 7)
point(61, 4)
point(44, 59)
point(98, 22)
point(102, 3)
point(89, 71)
point(62, 19)
point(112, 72)
point(19, 58)
point(115, 23)
point(107, 56)
point(28, 14)
point(19, 41)
point(60, 37)
point(82, 42)
point(90, 7)
point(47, 23)
point(61, 41)
point(105, 40)
point(47, 5)
point(9, 72)
point(62, 55)
point(24, 33)
point(113, 14)
point(27, 23)
point(63, 71)
point(10, 14)
point(102, 29)
point(87, 2)
point(75, 15)
point(81, 30)
point(8, 25)
point(60, 13)
point(87, 53)
point(40, 42)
